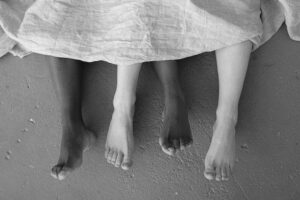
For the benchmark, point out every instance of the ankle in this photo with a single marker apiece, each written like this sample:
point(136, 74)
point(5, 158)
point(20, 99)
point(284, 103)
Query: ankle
point(124, 99)
point(71, 116)
point(124, 104)
point(71, 123)
point(227, 116)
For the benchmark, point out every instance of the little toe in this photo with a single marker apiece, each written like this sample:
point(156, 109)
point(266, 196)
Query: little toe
point(218, 174)
point(127, 163)
point(119, 159)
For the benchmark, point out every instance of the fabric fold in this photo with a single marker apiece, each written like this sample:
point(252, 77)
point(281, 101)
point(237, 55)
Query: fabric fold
point(132, 31)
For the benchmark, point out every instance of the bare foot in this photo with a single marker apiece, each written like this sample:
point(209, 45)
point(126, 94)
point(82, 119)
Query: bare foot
point(176, 132)
point(120, 143)
point(75, 140)
point(219, 160)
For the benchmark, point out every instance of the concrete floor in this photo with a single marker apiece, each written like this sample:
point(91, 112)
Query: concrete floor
point(268, 149)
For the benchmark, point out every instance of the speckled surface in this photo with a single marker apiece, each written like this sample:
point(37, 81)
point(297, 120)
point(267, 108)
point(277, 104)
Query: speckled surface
point(268, 167)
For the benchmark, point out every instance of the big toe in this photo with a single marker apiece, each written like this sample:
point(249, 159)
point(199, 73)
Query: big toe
point(209, 172)
point(60, 171)
point(126, 163)
point(166, 146)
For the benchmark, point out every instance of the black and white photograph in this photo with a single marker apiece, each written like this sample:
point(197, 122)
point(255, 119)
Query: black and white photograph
point(149, 99)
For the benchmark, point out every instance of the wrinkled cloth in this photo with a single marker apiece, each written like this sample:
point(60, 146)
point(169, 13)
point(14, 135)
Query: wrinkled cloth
point(275, 13)
point(133, 31)
point(11, 16)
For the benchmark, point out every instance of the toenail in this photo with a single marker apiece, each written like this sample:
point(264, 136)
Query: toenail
point(208, 176)
point(189, 144)
point(125, 167)
point(61, 177)
point(171, 149)
point(166, 151)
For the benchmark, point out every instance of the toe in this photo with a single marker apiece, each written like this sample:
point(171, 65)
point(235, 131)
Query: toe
point(210, 169)
point(106, 152)
point(185, 142)
point(229, 169)
point(218, 173)
point(62, 175)
point(55, 171)
point(163, 142)
point(182, 146)
point(224, 173)
point(109, 156)
point(170, 151)
point(176, 144)
point(59, 171)
point(119, 159)
point(114, 158)
point(163, 116)
point(209, 173)
point(165, 146)
point(126, 164)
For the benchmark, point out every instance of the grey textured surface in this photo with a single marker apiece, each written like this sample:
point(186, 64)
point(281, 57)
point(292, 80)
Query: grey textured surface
point(269, 126)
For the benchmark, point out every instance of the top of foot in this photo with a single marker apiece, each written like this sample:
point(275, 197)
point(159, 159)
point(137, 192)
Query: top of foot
point(176, 133)
point(120, 142)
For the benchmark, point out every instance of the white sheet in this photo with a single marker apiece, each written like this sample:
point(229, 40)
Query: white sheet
point(131, 31)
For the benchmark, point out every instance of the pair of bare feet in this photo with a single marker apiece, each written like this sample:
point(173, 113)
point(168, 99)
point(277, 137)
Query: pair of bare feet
point(175, 135)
